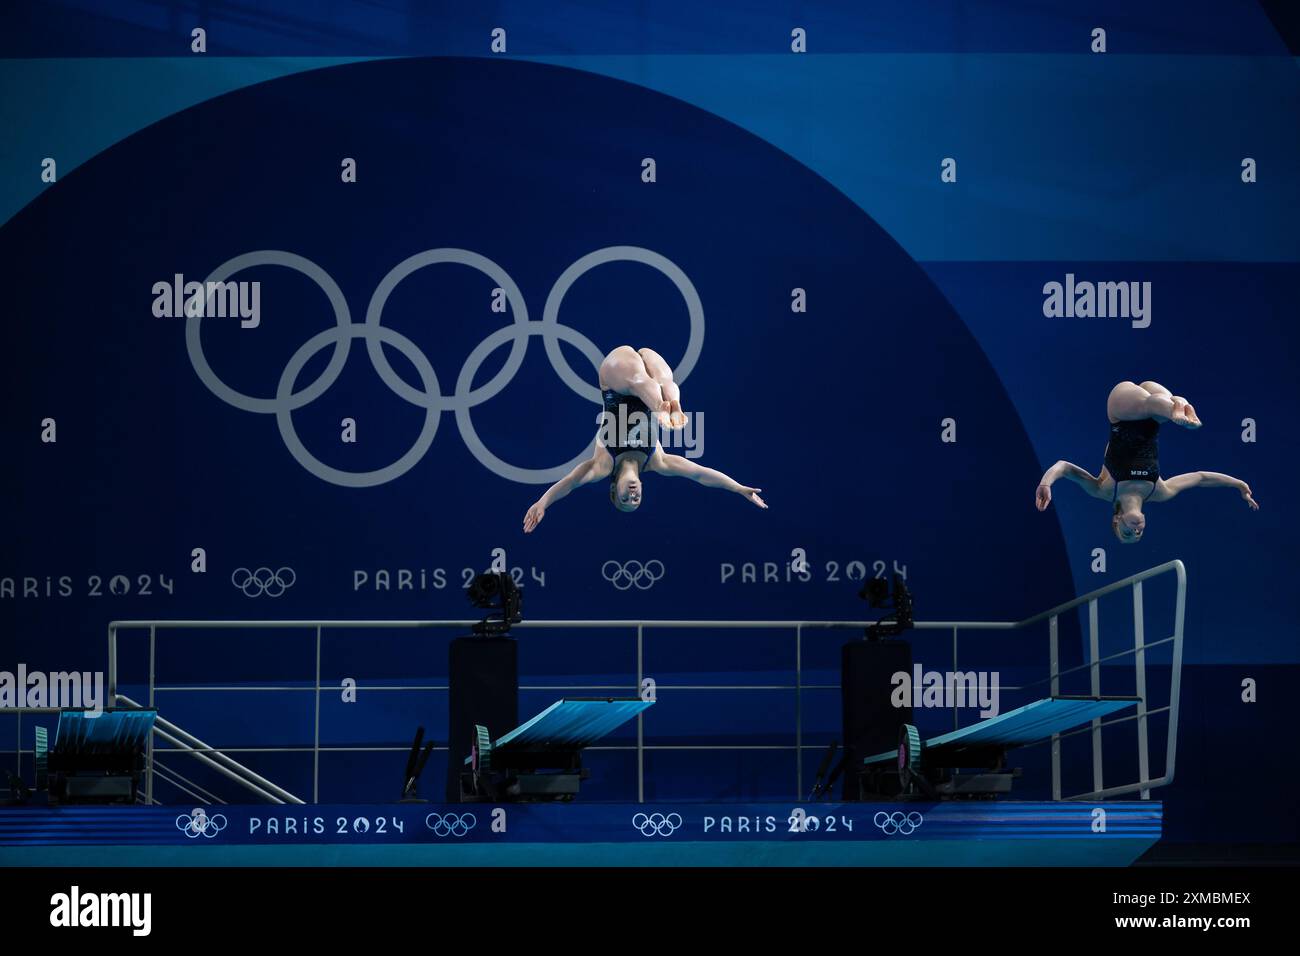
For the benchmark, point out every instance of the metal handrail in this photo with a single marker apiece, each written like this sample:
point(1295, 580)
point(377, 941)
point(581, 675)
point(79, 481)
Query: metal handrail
point(218, 761)
point(1144, 784)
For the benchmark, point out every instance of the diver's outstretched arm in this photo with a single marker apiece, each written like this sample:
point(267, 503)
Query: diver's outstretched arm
point(680, 467)
point(584, 473)
point(1064, 469)
point(1202, 479)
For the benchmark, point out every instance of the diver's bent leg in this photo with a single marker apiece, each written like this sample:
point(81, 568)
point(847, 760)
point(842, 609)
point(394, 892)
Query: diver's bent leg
point(662, 373)
point(624, 371)
point(1183, 413)
point(647, 389)
point(1129, 402)
point(619, 368)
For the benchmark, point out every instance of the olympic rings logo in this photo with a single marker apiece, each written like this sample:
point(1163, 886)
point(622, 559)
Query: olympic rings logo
point(898, 822)
point(263, 581)
point(451, 824)
point(430, 398)
point(632, 574)
point(197, 823)
point(656, 824)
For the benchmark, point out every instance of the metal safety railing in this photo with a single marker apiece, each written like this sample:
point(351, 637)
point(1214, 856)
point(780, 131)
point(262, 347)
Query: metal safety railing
point(218, 758)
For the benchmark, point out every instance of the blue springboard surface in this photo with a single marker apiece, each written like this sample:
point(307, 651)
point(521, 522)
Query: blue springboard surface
point(118, 729)
point(1024, 725)
point(572, 723)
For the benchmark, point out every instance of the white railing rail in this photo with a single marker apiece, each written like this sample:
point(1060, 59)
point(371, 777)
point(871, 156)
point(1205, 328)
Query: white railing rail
point(1093, 664)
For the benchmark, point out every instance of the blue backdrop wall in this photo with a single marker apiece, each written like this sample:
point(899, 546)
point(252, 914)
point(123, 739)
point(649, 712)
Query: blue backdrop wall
point(775, 171)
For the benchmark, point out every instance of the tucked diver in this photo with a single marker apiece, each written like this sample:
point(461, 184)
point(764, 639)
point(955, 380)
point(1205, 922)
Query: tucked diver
point(638, 390)
point(1130, 473)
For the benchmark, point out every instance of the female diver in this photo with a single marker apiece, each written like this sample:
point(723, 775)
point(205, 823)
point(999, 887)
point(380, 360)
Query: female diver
point(636, 384)
point(1130, 474)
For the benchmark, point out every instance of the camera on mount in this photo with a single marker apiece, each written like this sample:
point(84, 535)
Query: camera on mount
point(497, 593)
point(876, 592)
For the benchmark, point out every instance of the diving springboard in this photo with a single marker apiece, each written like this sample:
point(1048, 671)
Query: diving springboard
point(97, 755)
point(105, 731)
point(571, 724)
point(1024, 725)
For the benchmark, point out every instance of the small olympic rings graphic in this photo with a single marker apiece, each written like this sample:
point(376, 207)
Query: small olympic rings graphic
point(898, 822)
point(197, 823)
point(656, 824)
point(632, 574)
point(263, 581)
point(339, 337)
point(450, 824)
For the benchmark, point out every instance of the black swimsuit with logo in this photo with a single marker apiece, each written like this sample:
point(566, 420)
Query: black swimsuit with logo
point(624, 431)
point(1133, 452)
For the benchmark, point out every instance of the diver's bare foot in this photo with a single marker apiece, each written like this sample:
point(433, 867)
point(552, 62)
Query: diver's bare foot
point(671, 416)
point(1183, 414)
point(677, 415)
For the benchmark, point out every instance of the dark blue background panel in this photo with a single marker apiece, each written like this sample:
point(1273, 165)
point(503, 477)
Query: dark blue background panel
point(836, 416)
point(444, 27)
point(835, 412)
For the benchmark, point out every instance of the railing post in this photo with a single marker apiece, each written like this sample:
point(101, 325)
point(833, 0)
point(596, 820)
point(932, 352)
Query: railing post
point(640, 718)
point(1054, 672)
point(315, 745)
point(956, 725)
point(798, 711)
point(1176, 672)
point(1140, 687)
point(112, 666)
point(1094, 660)
point(148, 780)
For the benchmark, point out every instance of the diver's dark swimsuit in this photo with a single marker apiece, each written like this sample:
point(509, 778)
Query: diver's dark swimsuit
point(638, 435)
point(1133, 453)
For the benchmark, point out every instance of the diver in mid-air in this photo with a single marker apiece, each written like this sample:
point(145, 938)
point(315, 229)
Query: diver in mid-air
point(639, 392)
point(1130, 473)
